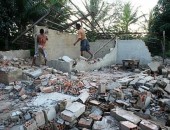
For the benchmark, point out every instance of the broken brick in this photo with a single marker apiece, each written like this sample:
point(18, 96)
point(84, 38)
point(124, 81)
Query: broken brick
point(126, 125)
point(85, 123)
point(95, 117)
point(146, 125)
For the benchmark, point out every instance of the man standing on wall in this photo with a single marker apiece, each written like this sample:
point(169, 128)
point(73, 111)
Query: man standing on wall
point(84, 43)
point(41, 40)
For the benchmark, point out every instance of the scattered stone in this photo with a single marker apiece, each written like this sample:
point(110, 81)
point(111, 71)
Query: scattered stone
point(154, 66)
point(146, 125)
point(123, 115)
point(126, 125)
point(73, 111)
point(85, 123)
point(39, 118)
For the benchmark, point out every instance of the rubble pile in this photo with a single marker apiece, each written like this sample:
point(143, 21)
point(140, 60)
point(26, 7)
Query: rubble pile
point(43, 98)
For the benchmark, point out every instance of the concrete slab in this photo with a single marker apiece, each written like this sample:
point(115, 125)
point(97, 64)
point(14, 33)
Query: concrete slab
point(146, 125)
point(154, 66)
point(11, 74)
point(39, 118)
point(113, 85)
point(73, 111)
point(107, 123)
point(124, 81)
point(61, 65)
point(50, 113)
point(123, 115)
point(47, 99)
point(126, 125)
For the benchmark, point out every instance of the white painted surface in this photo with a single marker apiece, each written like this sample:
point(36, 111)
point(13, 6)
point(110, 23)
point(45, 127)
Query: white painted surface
point(132, 49)
point(16, 54)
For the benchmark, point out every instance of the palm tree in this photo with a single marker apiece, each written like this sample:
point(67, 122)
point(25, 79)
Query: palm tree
point(99, 11)
point(128, 17)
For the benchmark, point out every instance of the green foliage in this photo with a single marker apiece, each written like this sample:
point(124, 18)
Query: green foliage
point(7, 17)
point(91, 35)
point(128, 17)
point(58, 9)
point(16, 15)
point(159, 21)
point(161, 18)
point(99, 11)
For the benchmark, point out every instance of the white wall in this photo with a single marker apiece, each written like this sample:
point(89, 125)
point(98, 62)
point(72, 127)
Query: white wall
point(60, 44)
point(16, 54)
point(132, 49)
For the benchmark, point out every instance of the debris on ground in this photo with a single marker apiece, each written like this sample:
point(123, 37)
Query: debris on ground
point(110, 98)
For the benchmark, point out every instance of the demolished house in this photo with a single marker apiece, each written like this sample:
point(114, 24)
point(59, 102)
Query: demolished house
point(122, 88)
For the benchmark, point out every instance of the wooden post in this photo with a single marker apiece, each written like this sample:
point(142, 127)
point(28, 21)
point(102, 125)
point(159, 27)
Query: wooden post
point(31, 26)
point(163, 46)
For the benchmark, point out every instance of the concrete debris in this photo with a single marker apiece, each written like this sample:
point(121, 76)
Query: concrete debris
point(108, 98)
point(154, 66)
point(146, 125)
point(126, 125)
point(123, 115)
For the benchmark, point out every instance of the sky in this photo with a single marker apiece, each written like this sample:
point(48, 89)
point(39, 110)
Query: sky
point(144, 6)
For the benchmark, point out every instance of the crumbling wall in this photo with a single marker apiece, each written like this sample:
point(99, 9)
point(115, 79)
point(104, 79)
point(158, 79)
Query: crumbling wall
point(59, 44)
point(107, 60)
point(16, 53)
point(94, 46)
point(132, 49)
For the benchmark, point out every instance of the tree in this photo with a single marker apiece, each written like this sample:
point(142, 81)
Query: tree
point(99, 11)
point(128, 17)
point(7, 18)
point(161, 23)
point(162, 18)
point(17, 15)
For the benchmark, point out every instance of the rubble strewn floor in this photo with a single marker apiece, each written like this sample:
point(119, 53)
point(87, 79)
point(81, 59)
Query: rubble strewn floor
point(44, 98)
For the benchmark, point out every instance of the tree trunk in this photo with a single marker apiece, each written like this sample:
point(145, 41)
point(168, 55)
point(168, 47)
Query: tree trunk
point(6, 43)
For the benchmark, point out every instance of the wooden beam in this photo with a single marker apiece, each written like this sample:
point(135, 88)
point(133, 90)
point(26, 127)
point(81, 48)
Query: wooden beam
point(82, 14)
point(39, 20)
point(74, 22)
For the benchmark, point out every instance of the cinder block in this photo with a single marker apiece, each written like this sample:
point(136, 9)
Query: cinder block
point(126, 125)
point(11, 76)
point(60, 65)
point(39, 118)
point(146, 125)
point(123, 115)
point(73, 111)
point(50, 113)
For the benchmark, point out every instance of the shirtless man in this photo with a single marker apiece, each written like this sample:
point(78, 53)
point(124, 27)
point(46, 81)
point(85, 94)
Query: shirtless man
point(41, 40)
point(84, 43)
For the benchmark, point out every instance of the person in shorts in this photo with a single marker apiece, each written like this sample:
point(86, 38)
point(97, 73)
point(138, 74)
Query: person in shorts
point(84, 43)
point(41, 40)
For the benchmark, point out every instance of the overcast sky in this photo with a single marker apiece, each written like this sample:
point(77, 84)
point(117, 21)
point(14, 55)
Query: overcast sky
point(145, 5)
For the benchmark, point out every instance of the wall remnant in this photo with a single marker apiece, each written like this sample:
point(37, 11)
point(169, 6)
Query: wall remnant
point(132, 49)
point(16, 53)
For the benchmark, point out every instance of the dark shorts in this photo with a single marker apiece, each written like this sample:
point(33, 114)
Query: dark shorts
point(85, 45)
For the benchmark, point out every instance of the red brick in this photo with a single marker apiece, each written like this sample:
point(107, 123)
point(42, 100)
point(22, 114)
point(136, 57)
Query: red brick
point(85, 123)
point(95, 117)
point(126, 125)
point(48, 89)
